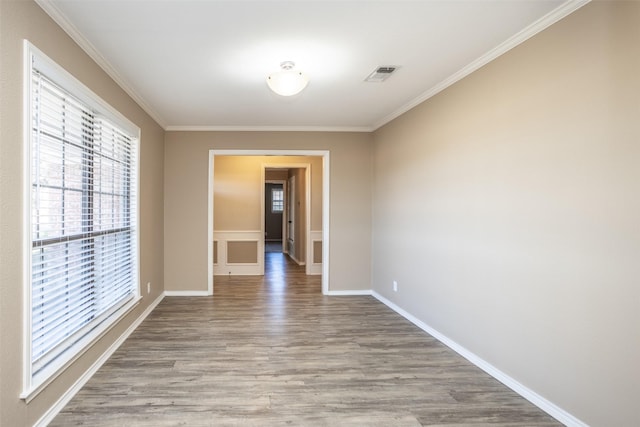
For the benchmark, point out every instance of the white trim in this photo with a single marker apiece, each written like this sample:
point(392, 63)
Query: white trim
point(27, 217)
point(263, 208)
point(549, 19)
point(307, 226)
point(347, 293)
point(178, 128)
point(241, 270)
point(60, 76)
point(237, 234)
point(290, 212)
point(210, 264)
point(282, 182)
point(224, 267)
point(80, 382)
point(81, 346)
point(296, 260)
point(307, 203)
point(186, 293)
point(35, 58)
point(550, 408)
point(52, 10)
point(326, 197)
point(285, 153)
point(314, 268)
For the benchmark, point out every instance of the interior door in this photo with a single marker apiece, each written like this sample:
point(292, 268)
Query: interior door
point(291, 217)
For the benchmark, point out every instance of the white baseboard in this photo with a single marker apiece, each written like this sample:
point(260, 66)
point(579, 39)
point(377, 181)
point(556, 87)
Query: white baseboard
point(349, 293)
point(75, 388)
point(314, 270)
point(186, 293)
point(238, 270)
point(550, 408)
point(301, 263)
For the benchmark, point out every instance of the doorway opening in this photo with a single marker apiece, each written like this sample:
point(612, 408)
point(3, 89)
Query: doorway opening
point(287, 213)
point(274, 218)
point(290, 196)
point(275, 211)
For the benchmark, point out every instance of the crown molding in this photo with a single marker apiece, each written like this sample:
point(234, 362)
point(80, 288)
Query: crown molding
point(52, 10)
point(549, 19)
point(546, 21)
point(268, 129)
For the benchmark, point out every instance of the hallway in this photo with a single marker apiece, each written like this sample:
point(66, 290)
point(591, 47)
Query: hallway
point(274, 351)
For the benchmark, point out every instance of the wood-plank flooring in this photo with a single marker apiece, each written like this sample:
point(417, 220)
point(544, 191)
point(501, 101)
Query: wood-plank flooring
point(273, 351)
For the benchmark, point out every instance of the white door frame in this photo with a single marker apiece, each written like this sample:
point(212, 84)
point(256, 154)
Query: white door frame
point(325, 203)
point(307, 202)
point(291, 215)
point(282, 182)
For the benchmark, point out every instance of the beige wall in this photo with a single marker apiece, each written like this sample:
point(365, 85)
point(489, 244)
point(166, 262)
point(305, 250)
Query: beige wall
point(507, 208)
point(186, 186)
point(242, 252)
point(24, 19)
point(276, 174)
point(237, 199)
point(238, 186)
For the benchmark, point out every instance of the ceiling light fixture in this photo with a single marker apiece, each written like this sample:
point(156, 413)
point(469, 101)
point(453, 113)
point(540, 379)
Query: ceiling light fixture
point(287, 82)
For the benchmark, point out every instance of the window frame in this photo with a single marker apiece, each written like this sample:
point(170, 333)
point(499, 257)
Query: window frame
point(36, 59)
point(273, 200)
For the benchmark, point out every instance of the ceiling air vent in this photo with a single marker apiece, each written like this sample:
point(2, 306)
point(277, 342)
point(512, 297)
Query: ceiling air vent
point(381, 73)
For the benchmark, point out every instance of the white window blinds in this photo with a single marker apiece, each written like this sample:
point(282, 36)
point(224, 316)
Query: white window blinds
point(83, 222)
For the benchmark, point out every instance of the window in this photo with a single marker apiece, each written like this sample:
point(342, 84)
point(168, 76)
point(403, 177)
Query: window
point(277, 200)
point(83, 258)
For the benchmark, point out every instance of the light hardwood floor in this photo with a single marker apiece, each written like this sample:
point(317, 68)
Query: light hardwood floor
point(273, 351)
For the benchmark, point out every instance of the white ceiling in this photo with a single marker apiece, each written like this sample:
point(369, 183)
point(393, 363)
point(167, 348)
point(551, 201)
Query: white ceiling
point(203, 64)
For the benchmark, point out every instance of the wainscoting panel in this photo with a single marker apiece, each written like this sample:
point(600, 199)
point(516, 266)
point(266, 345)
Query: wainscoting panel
point(242, 252)
point(238, 253)
point(315, 266)
point(317, 251)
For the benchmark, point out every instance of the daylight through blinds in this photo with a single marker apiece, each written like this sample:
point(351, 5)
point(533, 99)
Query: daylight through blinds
point(83, 216)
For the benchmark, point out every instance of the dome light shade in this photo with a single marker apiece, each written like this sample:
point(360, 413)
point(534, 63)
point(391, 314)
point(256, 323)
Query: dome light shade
point(288, 81)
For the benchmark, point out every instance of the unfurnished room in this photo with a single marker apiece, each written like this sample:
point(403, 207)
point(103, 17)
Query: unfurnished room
point(319, 213)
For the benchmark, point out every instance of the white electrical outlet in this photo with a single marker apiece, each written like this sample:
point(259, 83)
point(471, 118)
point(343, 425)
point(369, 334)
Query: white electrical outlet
point(395, 286)
point(148, 287)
